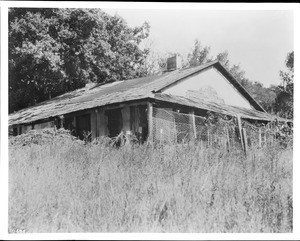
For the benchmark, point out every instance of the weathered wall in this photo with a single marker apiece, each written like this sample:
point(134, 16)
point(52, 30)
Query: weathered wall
point(26, 128)
point(44, 125)
point(102, 123)
point(139, 121)
point(210, 79)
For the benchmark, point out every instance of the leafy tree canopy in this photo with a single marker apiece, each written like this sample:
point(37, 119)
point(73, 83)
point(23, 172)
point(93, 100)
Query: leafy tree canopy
point(199, 54)
point(52, 51)
point(284, 99)
point(263, 95)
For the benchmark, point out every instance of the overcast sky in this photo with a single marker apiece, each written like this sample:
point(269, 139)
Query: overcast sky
point(258, 40)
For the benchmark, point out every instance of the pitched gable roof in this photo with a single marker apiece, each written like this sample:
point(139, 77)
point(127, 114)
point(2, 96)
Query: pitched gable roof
point(116, 92)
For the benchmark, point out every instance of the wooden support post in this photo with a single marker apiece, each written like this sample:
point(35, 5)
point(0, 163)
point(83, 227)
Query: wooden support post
point(93, 121)
point(102, 123)
point(228, 139)
point(61, 121)
point(174, 140)
point(193, 124)
point(240, 131)
point(245, 140)
point(259, 138)
point(74, 121)
point(97, 120)
point(208, 138)
point(150, 121)
point(18, 130)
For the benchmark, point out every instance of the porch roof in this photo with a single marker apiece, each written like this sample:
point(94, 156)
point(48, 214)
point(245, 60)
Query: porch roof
point(219, 108)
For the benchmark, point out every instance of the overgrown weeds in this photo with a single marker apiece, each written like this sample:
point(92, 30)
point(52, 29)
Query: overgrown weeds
point(71, 186)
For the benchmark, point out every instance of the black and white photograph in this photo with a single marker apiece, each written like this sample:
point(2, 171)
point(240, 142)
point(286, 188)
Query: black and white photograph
point(172, 118)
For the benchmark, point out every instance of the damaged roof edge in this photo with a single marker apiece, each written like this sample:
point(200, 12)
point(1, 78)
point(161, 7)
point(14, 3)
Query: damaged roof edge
point(241, 88)
point(111, 105)
point(223, 109)
point(181, 101)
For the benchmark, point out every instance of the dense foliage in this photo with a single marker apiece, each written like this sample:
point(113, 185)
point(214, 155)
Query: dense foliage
point(52, 51)
point(284, 98)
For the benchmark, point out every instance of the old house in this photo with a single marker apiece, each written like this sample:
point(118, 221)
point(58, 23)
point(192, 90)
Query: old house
point(130, 106)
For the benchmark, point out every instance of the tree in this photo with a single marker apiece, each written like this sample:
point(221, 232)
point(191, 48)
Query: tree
point(264, 96)
point(199, 54)
point(52, 51)
point(285, 91)
point(223, 58)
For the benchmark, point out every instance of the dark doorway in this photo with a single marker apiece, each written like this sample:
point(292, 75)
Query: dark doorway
point(83, 126)
point(115, 122)
point(68, 125)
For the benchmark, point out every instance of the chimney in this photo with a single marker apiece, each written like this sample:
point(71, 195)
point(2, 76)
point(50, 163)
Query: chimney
point(174, 63)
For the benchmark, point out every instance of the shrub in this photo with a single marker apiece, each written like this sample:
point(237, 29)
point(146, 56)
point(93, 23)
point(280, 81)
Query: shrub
point(41, 137)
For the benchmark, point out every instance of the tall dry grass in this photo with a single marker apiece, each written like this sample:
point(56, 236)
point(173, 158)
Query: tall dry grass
point(64, 185)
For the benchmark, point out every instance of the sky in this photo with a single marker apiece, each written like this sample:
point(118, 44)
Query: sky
point(258, 40)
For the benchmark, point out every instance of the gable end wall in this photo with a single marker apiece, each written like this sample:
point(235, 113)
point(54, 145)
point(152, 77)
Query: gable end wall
point(210, 79)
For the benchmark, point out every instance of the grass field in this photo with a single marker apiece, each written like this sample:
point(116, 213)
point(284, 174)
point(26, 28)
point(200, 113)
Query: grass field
point(63, 185)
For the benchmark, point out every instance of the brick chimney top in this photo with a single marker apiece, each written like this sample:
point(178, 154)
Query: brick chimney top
point(174, 63)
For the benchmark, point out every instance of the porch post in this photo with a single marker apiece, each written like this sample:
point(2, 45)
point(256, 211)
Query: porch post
point(150, 121)
point(61, 121)
point(93, 121)
point(259, 137)
point(102, 123)
point(240, 131)
point(193, 125)
point(245, 140)
point(97, 121)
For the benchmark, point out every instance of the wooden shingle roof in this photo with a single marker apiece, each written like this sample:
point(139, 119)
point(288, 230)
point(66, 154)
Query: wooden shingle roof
point(218, 108)
point(116, 92)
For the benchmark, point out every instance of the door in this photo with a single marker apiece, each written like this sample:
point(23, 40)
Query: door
point(114, 122)
point(83, 126)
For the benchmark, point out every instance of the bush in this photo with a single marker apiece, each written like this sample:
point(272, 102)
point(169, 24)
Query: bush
point(41, 137)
